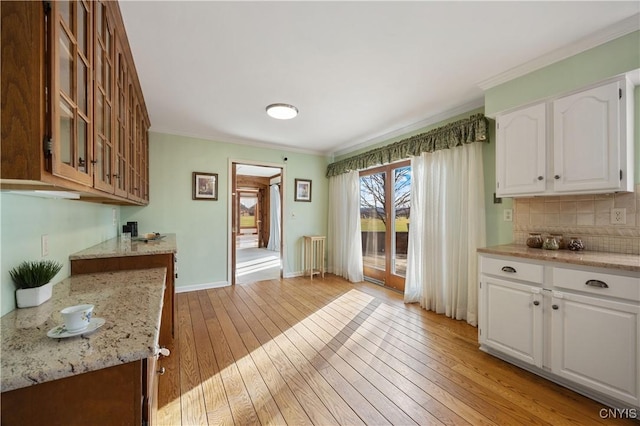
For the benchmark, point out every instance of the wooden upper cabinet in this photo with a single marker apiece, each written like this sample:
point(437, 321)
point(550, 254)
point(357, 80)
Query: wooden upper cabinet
point(70, 43)
point(73, 114)
point(121, 163)
point(105, 175)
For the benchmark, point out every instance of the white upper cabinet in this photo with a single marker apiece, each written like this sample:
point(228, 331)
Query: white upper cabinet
point(521, 151)
point(576, 144)
point(586, 140)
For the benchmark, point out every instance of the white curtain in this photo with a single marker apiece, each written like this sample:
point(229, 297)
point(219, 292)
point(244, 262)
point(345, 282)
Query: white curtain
point(274, 218)
point(344, 240)
point(447, 226)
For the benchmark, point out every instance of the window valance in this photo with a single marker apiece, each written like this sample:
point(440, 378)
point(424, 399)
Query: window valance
point(468, 130)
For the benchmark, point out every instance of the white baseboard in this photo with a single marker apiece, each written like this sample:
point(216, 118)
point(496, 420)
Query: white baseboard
point(204, 286)
point(293, 274)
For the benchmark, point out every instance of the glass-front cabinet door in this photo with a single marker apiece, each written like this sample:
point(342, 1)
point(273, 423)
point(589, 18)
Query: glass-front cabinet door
point(71, 47)
point(384, 219)
point(105, 175)
point(121, 162)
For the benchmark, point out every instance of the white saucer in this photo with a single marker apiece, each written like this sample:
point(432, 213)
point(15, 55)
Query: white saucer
point(60, 332)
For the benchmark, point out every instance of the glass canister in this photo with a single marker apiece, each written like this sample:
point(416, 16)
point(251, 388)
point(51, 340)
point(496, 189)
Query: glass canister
point(550, 243)
point(575, 244)
point(534, 240)
point(562, 244)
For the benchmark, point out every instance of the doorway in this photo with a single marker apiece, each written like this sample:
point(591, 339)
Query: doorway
point(256, 217)
point(384, 219)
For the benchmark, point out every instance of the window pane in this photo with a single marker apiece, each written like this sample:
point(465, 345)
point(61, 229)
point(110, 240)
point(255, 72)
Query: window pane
point(401, 210)
point(66, 127)
point(248, 211)
point(373, 217)
point(82, 29)
point(66, 64)
point(107, 163)
point(64, 8)
point(98, 116)
point(99, 172)
point(82, 86)
point(82, 146)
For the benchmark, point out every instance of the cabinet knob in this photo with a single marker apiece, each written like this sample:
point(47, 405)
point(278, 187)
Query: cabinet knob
point(556, 177)
point(554, 307)
point(536, 302)
point(164, 352)
point(161, 371)
point(540, 178)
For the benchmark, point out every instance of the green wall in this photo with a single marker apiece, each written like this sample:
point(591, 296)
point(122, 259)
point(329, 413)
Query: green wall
point(71, 225)
point(201, 227)
point(607, 60)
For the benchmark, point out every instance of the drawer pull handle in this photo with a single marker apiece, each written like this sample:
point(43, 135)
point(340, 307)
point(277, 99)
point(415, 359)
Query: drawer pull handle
point(596, 283)
point(555, 307)
point(509, 269)
point(536, 302)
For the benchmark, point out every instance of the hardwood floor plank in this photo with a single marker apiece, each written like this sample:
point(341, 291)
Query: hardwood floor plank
point(328, 352)
point(305, 377)
point(394, 369)
point(330, 337)
point(192, 398)
point(215, 398)
point(169, 406)
point(273, 396)
point(367, 412)
point(238, 397)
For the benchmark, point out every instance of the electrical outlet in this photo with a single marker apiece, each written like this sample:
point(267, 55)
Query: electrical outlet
point(507, 215)
point(618, 216)
point(45, 245)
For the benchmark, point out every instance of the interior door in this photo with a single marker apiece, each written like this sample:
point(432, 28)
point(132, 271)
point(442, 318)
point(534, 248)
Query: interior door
point(384, 215)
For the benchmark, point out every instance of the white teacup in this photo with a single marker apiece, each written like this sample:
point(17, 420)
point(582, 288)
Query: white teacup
point(77, 317)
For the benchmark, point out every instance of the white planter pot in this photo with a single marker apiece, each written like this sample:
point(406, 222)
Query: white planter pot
point(29, 297)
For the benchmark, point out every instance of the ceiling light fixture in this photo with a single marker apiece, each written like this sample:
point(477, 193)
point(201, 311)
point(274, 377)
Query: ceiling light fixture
point(282, 111)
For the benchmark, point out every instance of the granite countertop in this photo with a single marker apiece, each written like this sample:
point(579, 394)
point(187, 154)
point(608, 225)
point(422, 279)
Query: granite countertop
point(626, 262)
point(129, 301)
point(116, 248)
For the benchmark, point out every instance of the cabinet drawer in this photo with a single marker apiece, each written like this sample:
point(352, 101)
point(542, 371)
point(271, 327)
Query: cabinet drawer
point(622, 287)
point(512, 269)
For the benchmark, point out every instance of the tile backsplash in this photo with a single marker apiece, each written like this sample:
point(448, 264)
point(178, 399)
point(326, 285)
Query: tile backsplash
point(584, 216)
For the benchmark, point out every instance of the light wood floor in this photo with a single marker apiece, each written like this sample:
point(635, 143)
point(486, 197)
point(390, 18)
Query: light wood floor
point(328, 352)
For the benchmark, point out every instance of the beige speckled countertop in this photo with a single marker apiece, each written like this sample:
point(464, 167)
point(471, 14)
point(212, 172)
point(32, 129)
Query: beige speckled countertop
point(129, 301)
point(116, 248)
point(626, 262)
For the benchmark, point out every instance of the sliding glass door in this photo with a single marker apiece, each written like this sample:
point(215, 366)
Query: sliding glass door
point(384, 215)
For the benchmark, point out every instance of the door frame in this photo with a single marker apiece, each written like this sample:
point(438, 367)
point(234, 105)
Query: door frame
point(387, 277)
point(231, 194)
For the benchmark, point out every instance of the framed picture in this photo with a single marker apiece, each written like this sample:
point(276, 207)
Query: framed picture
point(303, 190)
point(205, 186)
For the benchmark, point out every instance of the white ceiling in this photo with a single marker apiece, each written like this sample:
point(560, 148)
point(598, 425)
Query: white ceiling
point(252, 170)
point(357, 71)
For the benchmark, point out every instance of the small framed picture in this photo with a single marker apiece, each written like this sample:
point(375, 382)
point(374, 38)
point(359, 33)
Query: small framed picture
point(205, 186)
point(303, 190)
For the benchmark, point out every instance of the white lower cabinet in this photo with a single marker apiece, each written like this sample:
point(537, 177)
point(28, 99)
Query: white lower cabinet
point(579, 326)
point(514, 319)
point(594, 342)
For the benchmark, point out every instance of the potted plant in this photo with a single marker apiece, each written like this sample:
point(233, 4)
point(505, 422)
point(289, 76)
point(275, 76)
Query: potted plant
point(33, 280)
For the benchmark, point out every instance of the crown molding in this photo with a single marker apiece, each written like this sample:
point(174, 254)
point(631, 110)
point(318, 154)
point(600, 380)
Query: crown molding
point(476, 103)
point(232, 140)
point(612, 32)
